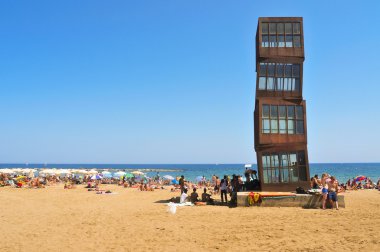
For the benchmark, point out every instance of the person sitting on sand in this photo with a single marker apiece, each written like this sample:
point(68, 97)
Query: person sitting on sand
point(194, 196)
point(207, 197)
point(333, 190)
point(315, 182)
point(184, 196)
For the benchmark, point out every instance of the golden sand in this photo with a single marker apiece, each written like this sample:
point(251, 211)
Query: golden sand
point(54, 219)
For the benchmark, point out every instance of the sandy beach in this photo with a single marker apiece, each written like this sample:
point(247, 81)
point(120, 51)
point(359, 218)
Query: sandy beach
point(54, 219)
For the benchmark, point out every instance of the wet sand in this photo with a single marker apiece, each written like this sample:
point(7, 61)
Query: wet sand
point(54, 219)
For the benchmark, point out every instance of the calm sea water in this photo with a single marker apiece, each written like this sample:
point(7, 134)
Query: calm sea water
point(342, 171)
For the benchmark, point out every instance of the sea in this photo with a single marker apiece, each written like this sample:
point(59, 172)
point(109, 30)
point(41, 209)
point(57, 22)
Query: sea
point(342, 171)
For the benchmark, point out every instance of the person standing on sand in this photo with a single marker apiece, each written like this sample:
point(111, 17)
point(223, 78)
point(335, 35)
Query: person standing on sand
point(333, 191)
point(223, 189)
point(182, 183)
point(324, 190)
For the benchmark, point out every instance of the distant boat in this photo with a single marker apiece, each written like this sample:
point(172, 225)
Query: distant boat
point(248, 165)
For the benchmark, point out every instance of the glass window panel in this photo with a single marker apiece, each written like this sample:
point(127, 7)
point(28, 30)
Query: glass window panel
point(282, 111)
point(284, 160)
point(266, 177)
point(292, 159)
point(263, 69)
point(264, 159)
point(285, 175)
point(273, 111)
point(293, 84)
point(265, 111)
point(302, 173)
point(299, 112)
point(301, 158)
point(291, 127)
point(296, 28)
point(297, 85)
point(281, 40)
point(262, 81)
point(287, 84)
point(264, 28)
point(274, 126)
point(275, 162)
point(296, 70)
point(282, 123)
point(280, 28)
point(299, 127)
point(290, 112)
point(272, 41)
point(288, 28)
point(270, 83)
point(289, 41)
point(280, 84)
point(294, 174)
point(297, 41)
point(288, 70)
point(280, 70)
point(271, 67)
point(266, 126)
point(272, 28)
point(276, 175)
point(265, 41)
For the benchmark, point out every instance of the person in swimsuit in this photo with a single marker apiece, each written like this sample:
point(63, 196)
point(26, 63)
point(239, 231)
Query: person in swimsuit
point(333, 191)
point(315, 182)
point(324, 190)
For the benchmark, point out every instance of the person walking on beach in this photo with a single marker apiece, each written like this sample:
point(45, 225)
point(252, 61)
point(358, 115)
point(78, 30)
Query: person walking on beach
point(182, 183)
point(223, 189)
point(333, 190)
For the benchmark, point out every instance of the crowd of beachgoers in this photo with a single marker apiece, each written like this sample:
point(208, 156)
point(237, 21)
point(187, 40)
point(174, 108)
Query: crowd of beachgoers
point(328, 186)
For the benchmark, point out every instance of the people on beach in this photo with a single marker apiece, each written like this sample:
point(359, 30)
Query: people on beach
point(333, 191)
point(315, 182)
point(324, 190)
point(223, 189)
point(182, 183)
point(184, 196)
point(194, 196)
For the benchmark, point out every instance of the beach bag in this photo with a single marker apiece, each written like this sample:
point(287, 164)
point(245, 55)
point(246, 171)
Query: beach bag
point(172, 208)
point(300, 190)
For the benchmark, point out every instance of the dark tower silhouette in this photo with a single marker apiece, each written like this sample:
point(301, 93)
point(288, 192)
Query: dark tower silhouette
point(280, 111)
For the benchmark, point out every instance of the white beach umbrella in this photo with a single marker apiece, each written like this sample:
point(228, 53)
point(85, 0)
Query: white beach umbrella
point(119, 174)
point(168, 177)
point(7, 171)
point(137, 173)
point(92, 172)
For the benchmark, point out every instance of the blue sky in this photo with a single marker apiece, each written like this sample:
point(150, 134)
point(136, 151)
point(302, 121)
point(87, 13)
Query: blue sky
point(173, 81)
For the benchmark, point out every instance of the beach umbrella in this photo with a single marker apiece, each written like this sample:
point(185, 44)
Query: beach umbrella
point(175, 182)
point(96, 176)
point(137, 173)
point(199, 178)
point(360, 178)
point(119, 174)
point(128, 175)
point(6, 171)
point(92, 172)
point(168, 177)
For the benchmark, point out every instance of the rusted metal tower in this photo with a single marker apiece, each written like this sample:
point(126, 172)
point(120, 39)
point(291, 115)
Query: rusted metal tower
point(280, 111)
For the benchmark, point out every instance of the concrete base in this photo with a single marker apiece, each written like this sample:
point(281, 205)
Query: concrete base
point(299, 200)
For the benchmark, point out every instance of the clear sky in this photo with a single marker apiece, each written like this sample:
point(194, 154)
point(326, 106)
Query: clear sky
point(173, 81)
